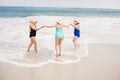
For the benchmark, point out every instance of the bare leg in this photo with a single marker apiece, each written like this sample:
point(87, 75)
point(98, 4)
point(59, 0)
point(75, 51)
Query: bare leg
point(77, 45)
point(60, 46)
point(35, 44)
point(31, 43)
point(56, 46)
point(74, 42)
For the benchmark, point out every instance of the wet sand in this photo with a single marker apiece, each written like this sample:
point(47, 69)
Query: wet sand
point(101, 63)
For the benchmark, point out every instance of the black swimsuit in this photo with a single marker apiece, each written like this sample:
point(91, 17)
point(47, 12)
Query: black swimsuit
point(32, 33)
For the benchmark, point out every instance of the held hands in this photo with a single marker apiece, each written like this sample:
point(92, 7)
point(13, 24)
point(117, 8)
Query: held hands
point(42, 26)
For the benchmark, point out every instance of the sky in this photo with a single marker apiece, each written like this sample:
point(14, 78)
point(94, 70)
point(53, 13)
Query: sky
point(114, 4)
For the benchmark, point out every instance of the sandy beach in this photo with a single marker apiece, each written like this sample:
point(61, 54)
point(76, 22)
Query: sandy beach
point(101, 63)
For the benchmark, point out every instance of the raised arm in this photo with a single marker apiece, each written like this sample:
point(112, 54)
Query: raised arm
point(75, 26)
point(66, 25)
point(34, 28)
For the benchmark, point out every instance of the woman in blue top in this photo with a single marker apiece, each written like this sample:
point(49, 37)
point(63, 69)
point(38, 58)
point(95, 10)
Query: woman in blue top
point(59, 36)
point(76, 33)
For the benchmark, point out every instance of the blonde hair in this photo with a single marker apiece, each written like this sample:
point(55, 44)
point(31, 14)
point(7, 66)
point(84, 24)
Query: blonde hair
point(33, 22)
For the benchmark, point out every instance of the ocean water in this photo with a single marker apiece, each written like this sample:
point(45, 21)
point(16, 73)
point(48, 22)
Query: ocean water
point(47, 11)
point(97, 26)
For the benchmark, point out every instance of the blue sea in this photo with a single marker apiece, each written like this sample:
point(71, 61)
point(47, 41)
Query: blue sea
point(51, 11)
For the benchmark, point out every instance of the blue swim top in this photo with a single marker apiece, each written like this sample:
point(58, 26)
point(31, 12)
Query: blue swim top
point(76, 32)
point(59, 33)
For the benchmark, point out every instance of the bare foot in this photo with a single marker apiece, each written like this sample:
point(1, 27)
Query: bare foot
point(28, 51)
point(78, 46)
point(75, 47)
point(36, 53)
point(59, 54)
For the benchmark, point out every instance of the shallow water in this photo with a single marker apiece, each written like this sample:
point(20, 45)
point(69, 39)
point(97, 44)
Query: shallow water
point(45, 56)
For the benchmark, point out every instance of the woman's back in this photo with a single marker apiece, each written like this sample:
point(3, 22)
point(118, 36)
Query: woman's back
point(59, 32)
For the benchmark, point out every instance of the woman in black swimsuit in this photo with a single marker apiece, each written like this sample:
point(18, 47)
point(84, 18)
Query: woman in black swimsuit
point(33, 30)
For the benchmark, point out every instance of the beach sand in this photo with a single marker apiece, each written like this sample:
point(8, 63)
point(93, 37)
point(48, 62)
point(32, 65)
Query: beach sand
point(101, 63)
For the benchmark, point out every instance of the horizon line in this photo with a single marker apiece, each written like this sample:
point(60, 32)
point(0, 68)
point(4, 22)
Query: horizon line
point(61, 7)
